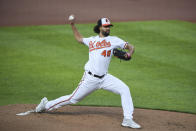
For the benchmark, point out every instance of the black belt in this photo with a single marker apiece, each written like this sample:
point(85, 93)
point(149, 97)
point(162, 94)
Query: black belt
point(96, 75)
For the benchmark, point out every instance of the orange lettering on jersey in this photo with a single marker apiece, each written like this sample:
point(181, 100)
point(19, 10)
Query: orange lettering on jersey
point(98, 45)
point(103, 43)
point(91, 44)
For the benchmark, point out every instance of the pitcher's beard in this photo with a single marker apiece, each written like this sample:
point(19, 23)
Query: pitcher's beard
point(105, 33)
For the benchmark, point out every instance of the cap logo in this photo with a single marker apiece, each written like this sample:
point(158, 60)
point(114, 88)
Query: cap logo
point(105, 22)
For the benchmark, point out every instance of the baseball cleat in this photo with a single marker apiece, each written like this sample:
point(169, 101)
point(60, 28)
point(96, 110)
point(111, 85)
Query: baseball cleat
point(130, 123)
point(41, 106)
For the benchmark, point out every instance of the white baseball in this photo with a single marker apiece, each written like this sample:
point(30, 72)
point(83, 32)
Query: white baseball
point(71, 17)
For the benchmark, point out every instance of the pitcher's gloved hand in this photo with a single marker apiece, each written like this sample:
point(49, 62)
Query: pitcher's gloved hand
point(121, 54)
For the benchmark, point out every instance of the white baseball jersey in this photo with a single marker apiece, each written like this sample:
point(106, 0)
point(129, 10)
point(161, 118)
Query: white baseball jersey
point(100, 52)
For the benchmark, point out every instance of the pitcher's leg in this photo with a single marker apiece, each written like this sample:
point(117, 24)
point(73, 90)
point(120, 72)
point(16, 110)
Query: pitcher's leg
point(61, 101)
point(115, 85)
point(66, 100)
point(85, 87)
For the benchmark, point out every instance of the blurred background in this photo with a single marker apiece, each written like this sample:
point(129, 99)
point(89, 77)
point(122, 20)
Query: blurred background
point(41, 12)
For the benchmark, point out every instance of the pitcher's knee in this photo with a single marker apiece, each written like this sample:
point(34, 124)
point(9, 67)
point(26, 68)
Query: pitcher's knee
point(125, 90)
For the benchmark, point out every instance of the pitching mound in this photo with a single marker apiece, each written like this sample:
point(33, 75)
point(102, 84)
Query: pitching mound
point(83, 118)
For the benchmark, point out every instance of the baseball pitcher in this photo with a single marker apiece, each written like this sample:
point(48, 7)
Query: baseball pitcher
point(96, 76)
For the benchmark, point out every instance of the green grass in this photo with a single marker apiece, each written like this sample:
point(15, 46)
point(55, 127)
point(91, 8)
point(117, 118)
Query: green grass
point(37, 61)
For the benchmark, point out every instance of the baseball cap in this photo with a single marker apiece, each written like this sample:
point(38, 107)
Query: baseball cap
point(104, 22)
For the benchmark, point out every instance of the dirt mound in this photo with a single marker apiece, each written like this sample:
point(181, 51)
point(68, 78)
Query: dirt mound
point(86, 118)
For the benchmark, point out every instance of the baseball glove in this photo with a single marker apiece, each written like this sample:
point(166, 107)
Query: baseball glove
point(121, 54)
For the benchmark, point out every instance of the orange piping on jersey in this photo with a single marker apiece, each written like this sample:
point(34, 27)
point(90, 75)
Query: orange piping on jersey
point(126, 43)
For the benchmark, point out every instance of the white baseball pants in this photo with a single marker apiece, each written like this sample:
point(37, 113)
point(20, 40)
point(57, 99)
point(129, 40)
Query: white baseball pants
point(88, 84)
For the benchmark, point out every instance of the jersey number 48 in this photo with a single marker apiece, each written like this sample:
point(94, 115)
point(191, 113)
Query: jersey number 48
point(106, 53)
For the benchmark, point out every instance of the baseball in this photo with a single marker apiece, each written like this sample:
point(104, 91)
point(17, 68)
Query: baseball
point(71, 17)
